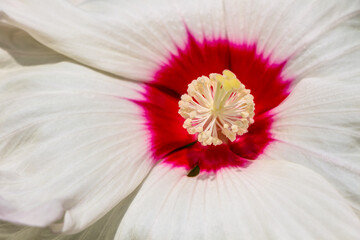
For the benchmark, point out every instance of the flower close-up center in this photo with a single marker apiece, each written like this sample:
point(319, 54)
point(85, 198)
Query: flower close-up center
point(217, 108)
point(179, 120)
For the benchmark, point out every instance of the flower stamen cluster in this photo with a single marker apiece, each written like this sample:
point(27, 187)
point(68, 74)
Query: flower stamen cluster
point(217, 108)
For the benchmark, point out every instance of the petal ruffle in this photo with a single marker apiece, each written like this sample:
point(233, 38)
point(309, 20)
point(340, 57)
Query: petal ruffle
point(268, 200)
point(19, 49)
point(71, 144)
point(318, 126)
point(104, 229)
point(320, 39)
point(132, 39)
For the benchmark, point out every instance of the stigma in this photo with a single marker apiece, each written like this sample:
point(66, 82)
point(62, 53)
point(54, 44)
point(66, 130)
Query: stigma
point(217, 108)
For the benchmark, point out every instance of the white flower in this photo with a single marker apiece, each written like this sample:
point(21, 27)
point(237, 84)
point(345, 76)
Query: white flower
point(90, 130)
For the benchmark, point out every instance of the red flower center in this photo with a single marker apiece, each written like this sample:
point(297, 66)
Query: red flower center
point(171, 143)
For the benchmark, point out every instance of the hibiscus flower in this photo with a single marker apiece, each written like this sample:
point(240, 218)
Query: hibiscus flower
point(233, 119)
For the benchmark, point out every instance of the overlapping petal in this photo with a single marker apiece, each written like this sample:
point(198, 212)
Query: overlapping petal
point(268, 200)
point(72, 144)
point(320, 38)
point(19, 49)
point(104, 138)
point(104, 229)
point(318, 127)
point(131, 40)
point(134, 39)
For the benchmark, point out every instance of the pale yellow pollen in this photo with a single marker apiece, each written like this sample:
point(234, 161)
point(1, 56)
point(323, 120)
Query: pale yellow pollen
point(217, 108)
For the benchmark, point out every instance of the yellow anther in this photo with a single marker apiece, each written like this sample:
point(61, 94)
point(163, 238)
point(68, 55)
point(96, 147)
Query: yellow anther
point(228, 80)
point(219, 78)
point(235, 83)
point(228, 74)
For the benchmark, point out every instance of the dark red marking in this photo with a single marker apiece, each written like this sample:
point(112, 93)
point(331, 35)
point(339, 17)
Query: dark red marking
point(208, 158)
point(202, 58)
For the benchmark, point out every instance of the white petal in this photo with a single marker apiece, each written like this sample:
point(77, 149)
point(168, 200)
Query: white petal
point(18, 48)
point(318, 38)
point(133, 39)
point(71, 143)
point(318, 126)
point(104, 229)
point(268, 200)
